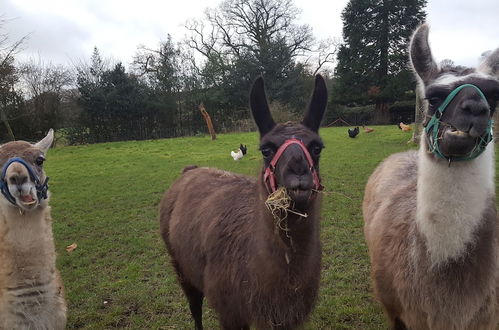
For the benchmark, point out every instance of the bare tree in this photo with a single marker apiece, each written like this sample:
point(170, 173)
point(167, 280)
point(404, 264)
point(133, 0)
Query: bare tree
point(9, 96)
point(44, 85)
point(160, 68)
point(263, 30)
point(41, 77)
point(323, 56)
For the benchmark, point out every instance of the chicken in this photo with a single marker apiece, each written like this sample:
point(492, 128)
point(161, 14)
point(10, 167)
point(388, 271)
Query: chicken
point(367, 129)
point(352, 132)
point(404, 127)
point(239, 153)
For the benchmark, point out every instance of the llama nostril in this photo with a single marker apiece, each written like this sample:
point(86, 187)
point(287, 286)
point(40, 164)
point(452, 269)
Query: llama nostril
point(18, 179)
point(22, 179)
point(299, 169)
point(474, 108)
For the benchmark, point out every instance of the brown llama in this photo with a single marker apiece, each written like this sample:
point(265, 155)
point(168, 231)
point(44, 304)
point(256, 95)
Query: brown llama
point(226, 245)
point(31, 291)
point(430, 215)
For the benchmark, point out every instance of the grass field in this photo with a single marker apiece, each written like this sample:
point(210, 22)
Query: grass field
point(105, 198)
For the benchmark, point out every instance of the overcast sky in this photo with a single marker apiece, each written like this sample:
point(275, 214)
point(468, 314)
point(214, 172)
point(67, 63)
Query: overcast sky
point(65, 31)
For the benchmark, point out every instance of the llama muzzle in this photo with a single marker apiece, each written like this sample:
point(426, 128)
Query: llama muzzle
point(19, 180)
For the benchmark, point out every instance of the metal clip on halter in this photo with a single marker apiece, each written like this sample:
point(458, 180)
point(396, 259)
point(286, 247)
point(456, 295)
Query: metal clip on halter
point(41, 188)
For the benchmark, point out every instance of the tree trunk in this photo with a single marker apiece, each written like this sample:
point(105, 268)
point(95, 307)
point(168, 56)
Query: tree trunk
point(496, 125)
point(207, 118)
point(381, 113)
point(384, 44)
point(418, 119)
point(5, 121)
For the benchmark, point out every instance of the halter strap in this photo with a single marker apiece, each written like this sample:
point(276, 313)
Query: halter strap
point(434, 123)
point(41, 188)
point(269, 176)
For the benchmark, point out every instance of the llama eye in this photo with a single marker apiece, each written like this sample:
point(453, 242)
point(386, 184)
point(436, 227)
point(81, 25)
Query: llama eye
point(39, 161)
point(266, 152)
point(434, 101)
point(317, 150)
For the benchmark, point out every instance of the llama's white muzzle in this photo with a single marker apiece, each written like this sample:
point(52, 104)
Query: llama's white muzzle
point(20, 186)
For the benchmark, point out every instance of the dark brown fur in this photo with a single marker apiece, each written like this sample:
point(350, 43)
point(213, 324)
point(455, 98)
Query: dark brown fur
point(234, 254)
point(225, 245)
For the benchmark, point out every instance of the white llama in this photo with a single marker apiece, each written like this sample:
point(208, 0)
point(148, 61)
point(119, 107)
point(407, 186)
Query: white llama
point(430, 216)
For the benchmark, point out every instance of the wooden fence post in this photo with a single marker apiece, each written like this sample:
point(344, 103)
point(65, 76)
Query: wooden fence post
point(418, 119)
point(207, 118)
point(496, 124)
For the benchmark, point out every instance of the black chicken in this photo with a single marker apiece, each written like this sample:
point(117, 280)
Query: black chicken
point(352, 132)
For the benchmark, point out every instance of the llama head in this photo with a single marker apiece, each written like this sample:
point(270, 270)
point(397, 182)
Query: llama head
point(295, 166)
point(459, 102)
point(23, 182)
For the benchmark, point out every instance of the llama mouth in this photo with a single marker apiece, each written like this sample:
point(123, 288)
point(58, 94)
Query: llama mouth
point(456, 143)
point(299, 195)
point(456, 133)
point(27, 200)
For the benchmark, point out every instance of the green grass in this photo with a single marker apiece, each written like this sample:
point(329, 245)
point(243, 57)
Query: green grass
point(105, 198)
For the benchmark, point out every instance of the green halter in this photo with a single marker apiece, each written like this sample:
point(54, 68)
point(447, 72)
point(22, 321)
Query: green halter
point(434, 124)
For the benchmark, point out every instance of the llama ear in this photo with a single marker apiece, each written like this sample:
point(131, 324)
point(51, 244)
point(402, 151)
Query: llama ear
point(260, 107)
point(490, 63)
point(420, 54)
point(317, 105)
point(45, 143)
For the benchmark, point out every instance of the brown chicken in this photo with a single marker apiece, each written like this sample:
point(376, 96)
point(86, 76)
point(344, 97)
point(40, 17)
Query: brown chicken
point(404, 127)
point(367, 129)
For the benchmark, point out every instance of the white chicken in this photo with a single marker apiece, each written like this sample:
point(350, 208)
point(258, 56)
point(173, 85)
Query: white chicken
point(239, 153)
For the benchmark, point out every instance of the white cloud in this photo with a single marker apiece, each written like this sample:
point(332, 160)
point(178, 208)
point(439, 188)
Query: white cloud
point(65, 30)
point(462, 30)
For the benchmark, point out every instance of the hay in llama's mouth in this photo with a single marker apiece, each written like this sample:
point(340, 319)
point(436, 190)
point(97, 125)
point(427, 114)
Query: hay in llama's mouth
point(455, 142)
point(280, 203)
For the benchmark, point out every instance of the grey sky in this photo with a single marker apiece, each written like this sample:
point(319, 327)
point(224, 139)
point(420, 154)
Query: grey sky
point(64, 31)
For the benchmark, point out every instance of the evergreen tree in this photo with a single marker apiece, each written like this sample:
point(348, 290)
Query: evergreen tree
point(373, 61)
point(115, 105)
point(249, 38)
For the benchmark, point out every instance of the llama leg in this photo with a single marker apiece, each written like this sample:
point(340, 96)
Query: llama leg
point(395, 322)
point(195, 298)
point(398, 324)
point(226, 326)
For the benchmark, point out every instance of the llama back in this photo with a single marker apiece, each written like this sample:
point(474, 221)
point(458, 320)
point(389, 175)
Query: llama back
point(194, 209)
point(387, 235)
point(395, 176)
point(215, 211)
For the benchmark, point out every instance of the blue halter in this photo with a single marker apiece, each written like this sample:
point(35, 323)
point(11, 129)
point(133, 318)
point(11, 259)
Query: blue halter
point(41, 188)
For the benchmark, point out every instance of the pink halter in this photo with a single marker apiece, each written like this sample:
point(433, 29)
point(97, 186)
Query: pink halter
point(269, 178)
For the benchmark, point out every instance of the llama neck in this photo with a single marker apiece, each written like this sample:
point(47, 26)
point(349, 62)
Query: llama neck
point(451, 201)
point(26, 245)
point(293, 239)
